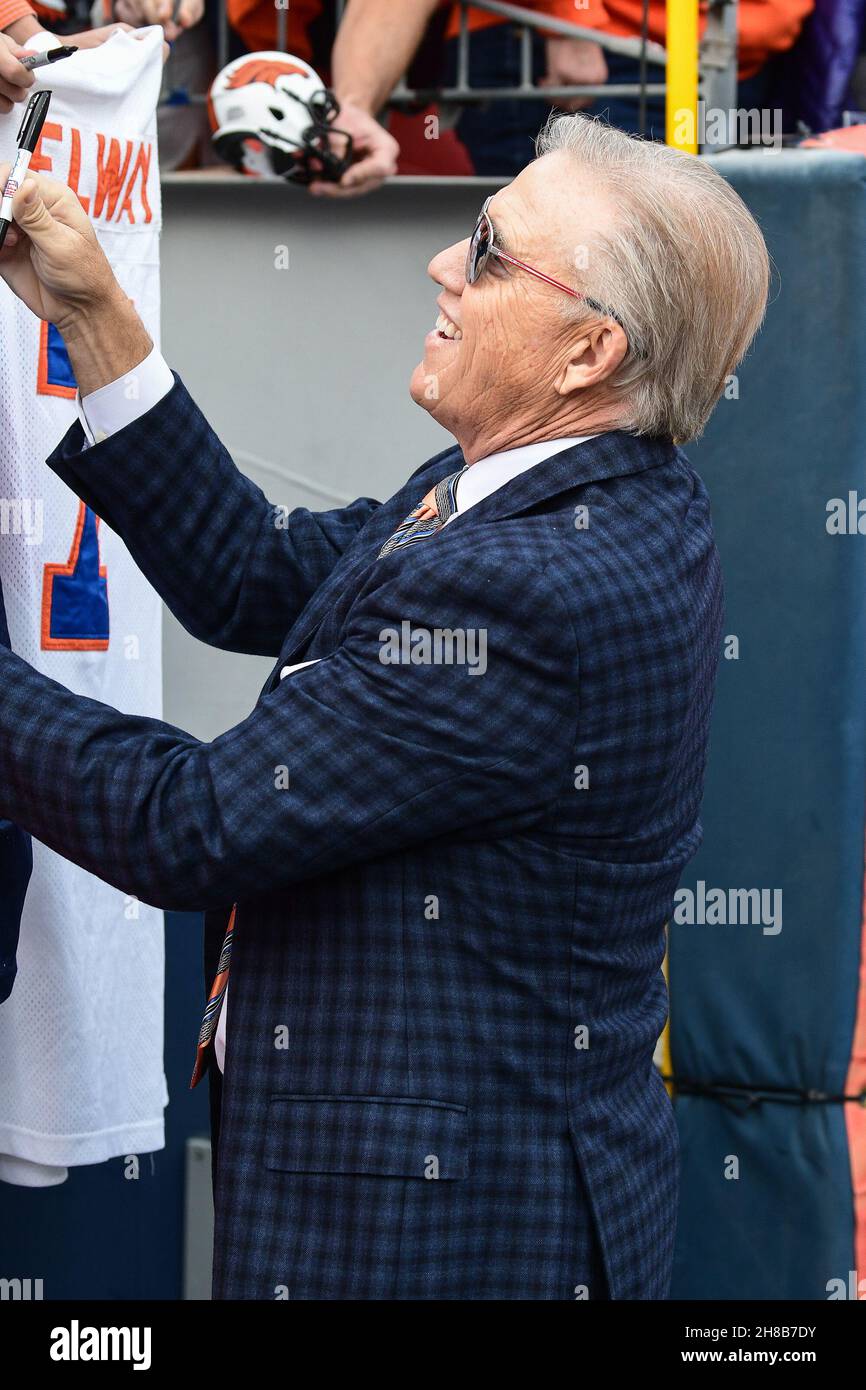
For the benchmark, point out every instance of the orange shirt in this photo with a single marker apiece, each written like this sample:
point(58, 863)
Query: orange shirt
point(10, 10)
point(764, 26)
point(257, 24)
point(558, 9)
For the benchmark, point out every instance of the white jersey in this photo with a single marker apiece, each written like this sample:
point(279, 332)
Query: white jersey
point(81, 1037)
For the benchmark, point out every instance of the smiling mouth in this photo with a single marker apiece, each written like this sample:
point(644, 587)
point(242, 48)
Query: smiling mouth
point(446, 328)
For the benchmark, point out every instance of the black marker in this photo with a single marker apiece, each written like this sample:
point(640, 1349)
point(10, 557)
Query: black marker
point(28, 136)
point(39, 60)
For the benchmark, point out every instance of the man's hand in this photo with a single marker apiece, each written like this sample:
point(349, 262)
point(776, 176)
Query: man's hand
point(52, 259)
point(54, 263)
point(375, 151)
point(140, 12)
point(15, 81)
point(577, 62)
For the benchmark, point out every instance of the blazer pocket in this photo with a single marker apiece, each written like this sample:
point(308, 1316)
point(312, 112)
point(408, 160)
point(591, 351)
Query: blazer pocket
point(391, 1136)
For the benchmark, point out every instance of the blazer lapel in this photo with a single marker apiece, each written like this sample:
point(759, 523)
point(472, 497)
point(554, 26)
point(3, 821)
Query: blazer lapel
point(361, 555)
point(609, 455)
point(317, 610)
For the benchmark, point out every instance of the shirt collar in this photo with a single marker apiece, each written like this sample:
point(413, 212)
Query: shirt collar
point(494, 471)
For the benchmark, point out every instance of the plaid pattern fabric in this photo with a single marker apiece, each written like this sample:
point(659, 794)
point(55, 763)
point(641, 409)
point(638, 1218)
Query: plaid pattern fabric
point(451, 875)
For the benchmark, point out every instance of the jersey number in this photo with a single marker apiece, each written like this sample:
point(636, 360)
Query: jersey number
point(74, 594)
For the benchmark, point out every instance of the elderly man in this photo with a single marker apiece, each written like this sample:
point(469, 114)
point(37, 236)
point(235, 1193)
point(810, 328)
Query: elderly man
point(439, 855)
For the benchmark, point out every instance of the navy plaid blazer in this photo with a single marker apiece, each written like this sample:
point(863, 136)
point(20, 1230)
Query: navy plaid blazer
point(452, 883)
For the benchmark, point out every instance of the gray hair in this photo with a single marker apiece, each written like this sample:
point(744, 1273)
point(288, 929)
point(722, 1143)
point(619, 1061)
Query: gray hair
point(684, 268)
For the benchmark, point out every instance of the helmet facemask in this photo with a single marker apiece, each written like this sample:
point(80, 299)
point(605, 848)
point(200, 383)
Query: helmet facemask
point(317, 158)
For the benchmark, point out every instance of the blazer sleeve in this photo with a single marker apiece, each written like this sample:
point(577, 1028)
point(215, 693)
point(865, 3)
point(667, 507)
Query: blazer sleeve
point(374, 749)
point(234, 569)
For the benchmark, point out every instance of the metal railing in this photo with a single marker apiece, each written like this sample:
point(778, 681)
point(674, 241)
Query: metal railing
point(717, 58)
point(529, 22)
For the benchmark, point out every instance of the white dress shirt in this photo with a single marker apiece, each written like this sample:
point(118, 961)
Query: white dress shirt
point(493, 472)
point(118, 404)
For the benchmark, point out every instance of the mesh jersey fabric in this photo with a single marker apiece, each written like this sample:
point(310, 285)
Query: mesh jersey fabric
point(81, 1036)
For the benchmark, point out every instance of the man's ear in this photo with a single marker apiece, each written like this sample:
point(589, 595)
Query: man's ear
point(592, 357)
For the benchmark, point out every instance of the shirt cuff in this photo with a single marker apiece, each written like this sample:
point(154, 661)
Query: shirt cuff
point(121, 402)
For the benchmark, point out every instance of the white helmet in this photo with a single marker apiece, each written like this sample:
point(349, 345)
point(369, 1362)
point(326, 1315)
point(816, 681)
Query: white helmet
point(271, 117)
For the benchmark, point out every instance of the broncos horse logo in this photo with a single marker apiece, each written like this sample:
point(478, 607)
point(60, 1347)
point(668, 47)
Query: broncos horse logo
point(262, 70)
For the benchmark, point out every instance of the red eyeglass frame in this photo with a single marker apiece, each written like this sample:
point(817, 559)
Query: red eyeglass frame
point(475, 263)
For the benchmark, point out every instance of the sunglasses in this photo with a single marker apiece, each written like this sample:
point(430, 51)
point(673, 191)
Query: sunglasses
point(482, 245)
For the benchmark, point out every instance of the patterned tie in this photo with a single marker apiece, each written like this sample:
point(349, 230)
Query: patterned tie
point(413, 529)
point(214, 1003)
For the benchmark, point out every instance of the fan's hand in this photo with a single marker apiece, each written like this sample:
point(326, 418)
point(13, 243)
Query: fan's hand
point(92, 38)
point(139, 12)
point(375, 153)
point(15, 81)
point(574, 61)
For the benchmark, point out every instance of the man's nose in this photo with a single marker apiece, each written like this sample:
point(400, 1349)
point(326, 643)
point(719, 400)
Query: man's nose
point(448, 267)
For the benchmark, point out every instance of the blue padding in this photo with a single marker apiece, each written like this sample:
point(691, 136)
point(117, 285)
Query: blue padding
point(786, 783)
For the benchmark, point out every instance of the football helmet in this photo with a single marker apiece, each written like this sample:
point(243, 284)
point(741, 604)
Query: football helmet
point(272, 117)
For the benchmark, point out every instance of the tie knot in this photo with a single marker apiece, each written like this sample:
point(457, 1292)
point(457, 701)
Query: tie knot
point(415, 528)
point(445, 495)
